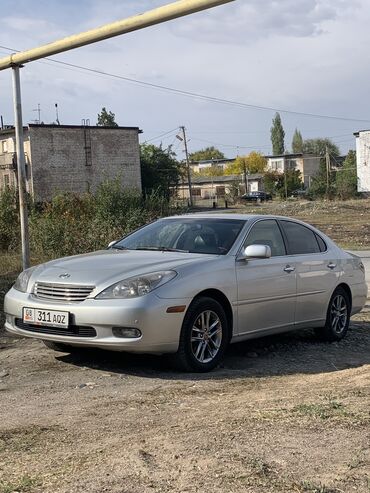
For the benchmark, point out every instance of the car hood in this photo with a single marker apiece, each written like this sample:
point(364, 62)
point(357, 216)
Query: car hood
point(108, 266)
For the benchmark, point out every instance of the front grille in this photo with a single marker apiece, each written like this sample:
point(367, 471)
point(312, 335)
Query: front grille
point(61, 292)
point(71, 330)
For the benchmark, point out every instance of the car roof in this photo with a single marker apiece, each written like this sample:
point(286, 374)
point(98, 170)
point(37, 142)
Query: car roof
point(225, 215)
point(249, 217)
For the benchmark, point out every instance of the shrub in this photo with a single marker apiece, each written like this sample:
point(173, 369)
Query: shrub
point(9, 219)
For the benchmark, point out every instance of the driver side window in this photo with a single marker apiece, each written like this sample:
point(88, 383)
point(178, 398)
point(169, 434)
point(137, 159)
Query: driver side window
point(267, 232)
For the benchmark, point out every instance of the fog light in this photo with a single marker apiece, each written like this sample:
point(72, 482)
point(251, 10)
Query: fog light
point(126, 332)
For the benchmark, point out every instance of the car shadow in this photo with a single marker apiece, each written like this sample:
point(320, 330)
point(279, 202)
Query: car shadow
point(284, 354)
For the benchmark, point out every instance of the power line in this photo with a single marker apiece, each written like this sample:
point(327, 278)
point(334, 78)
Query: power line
point(162, 135)
point(196, 95)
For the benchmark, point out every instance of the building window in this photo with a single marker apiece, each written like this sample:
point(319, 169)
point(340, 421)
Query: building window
point(277, 165)
point(291, 164)
point(4, 146)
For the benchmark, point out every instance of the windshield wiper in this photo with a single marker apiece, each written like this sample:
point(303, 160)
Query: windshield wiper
point(161, 249)
point(118, 247)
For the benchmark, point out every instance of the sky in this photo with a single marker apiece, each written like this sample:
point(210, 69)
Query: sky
point(296, 56)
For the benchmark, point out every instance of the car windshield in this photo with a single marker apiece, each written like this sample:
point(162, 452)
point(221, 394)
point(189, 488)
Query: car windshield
point(195, 235)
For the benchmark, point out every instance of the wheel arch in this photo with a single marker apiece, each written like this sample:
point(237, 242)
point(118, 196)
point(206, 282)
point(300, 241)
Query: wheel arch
point(219, 296)
point(348, 291)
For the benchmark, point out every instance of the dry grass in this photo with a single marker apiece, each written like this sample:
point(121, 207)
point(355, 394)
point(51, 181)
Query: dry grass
point(345, 222)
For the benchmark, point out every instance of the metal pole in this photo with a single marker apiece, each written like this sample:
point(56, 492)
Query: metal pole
point(21, 168)
point(187, 167)
point(327, 162)
point(150, 18)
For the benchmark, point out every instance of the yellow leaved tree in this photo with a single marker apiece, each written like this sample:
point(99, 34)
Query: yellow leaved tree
point(250, 164)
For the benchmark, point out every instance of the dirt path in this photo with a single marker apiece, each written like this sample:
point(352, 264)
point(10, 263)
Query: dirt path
point(283, 414)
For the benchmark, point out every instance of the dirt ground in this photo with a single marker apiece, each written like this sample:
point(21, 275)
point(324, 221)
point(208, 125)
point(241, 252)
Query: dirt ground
point(283, 414)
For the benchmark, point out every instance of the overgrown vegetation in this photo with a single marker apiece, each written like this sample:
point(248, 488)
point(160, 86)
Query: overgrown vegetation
point(72, 224)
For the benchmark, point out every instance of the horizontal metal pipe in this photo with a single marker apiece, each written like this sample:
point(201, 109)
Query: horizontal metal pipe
point(150, 18)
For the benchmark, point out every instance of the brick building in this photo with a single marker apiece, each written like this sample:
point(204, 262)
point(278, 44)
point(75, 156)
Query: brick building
point(71, 158)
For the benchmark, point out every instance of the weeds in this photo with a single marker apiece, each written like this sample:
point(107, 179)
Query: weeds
point(308, 486)
point(24, 484)
point(324, 410)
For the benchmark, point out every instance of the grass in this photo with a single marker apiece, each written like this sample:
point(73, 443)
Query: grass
point(24, 484)
point(311, 487)
point(324, 410)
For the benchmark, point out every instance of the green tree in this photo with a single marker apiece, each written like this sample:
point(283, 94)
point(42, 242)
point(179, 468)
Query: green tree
point(323, 184)
point(206, 154)
point(288, 182)
point(318, 147)
point(159, 169)
point(270, 180)
point(297, 142)
point(106, 119)
point(277, 136)
point(346, 177)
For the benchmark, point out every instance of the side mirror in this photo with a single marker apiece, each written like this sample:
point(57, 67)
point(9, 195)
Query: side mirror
point(256, 251)
point(112, 243)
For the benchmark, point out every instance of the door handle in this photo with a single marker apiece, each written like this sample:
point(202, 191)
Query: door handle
point(289, 268)
point(331, 265)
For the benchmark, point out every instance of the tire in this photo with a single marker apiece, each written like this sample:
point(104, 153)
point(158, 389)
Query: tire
point(204, 337)
point(337, 317)
point(60, 347)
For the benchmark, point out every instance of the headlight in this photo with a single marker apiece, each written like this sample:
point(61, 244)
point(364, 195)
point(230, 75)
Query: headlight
point(137, 286)
point(22, 280)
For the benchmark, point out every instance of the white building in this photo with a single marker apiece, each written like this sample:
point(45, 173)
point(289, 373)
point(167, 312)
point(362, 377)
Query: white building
point(363, 160)
point(307, 164)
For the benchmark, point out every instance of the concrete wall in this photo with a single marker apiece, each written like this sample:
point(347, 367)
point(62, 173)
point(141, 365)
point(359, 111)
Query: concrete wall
point(363, 161)
point(310, 168)
point(77, 159)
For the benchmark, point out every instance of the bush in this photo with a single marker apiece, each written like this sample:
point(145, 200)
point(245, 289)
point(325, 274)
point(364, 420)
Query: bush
point(9, 220)
point(72, 224)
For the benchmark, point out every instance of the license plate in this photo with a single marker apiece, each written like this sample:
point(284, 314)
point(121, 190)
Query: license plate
point(52, 318)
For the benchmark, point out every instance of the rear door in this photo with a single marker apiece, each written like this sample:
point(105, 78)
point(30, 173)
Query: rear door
point(316, 271)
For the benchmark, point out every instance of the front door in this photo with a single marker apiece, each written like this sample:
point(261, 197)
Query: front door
point(266, 287)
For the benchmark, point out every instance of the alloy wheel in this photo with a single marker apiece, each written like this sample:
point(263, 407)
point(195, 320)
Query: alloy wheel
point(206, 336)
point(338, 314)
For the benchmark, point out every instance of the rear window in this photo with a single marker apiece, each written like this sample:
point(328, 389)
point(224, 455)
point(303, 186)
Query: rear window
point(301, 240)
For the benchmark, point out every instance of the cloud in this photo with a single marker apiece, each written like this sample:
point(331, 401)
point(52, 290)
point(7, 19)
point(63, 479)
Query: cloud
point(244, 22)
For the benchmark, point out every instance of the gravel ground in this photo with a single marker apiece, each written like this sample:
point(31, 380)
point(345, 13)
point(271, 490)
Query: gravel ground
point(283, 414)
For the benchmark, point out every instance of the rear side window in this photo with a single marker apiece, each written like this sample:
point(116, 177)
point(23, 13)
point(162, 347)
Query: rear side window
point(321, 243)
point(267, 232)
point(301, 240)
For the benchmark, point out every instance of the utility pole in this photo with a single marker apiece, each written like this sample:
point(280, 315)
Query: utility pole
point(187, 165)
point(327, 160)
point(285, 181)
point(21, 168)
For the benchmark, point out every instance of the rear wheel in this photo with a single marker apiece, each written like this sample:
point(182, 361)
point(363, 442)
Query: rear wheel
point(337, 317)
point(204, 336)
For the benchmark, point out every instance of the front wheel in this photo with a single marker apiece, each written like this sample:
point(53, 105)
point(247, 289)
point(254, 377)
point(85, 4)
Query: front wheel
point(337, 317)
point(204, 336)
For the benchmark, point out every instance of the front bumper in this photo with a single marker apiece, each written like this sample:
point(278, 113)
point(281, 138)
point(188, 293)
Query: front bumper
point(160, 331)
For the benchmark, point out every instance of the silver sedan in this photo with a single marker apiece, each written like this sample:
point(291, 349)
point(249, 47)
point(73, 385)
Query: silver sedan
point(189, 285)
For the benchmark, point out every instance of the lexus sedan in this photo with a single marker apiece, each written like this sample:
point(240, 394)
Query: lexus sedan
point(188, 286)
